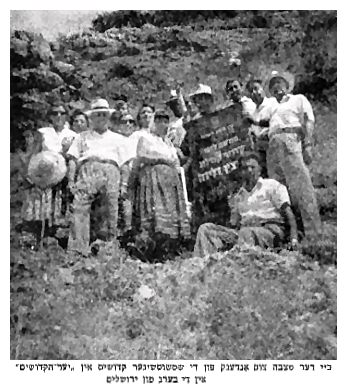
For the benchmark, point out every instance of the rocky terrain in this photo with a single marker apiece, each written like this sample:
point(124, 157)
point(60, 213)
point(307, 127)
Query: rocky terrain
point(245, 304)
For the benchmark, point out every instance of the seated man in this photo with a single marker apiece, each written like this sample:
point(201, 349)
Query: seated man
point(260, 212)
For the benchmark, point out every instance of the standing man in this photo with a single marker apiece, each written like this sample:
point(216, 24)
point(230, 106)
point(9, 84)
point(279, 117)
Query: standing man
point(234, 91)
point(290, 149)
point(260, 120)
point(98, 154)
point(203, 99)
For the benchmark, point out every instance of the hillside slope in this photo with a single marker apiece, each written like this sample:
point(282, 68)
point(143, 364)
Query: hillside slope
point(245, 304)
point(142, 54)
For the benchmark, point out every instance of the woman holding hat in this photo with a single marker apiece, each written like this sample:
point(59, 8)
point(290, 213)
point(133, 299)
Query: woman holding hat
point(160, 220)
point(58, 138)
point(289, 153)
point(98, 154)
point(38, 173)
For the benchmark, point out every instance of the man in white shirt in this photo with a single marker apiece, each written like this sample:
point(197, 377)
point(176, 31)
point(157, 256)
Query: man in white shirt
point(260, 212)
point(98, 155)
point(235, 93)
point(260, 119)
point(290, 149)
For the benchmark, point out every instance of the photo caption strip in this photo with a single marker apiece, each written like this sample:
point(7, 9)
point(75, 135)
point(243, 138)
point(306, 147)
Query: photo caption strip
point(181, 372)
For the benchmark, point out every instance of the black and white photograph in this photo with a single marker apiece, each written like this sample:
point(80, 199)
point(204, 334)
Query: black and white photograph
point(173, 185)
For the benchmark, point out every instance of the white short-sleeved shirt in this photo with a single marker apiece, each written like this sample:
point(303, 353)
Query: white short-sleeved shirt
point(105, 146)
point(52, 140)
point(248, 106)
point(262, 204)
point(263, 112)
point(291, 112)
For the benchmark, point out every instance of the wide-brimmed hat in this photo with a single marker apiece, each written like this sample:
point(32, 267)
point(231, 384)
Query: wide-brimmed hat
point(282, 75)
point(100, 105)
point(202, 90)
point(46, 169)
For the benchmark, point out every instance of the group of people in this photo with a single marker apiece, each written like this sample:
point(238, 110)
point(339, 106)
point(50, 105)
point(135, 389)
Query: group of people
point(126, 176)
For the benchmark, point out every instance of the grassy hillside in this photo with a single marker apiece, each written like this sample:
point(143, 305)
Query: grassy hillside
point(245, 304)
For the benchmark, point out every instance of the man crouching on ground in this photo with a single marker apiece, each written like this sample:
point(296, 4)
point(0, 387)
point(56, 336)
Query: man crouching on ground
point(260, 214)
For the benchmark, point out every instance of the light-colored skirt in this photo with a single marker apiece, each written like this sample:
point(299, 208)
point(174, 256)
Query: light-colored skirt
point(42, 204)
point(159, 205)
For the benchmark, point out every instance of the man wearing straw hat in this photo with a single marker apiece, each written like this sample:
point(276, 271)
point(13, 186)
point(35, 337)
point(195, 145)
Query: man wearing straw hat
point(203, 99)
point(289, 154)
point(98, 154)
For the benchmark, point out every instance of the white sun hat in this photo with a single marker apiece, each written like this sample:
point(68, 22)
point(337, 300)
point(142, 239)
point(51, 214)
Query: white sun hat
point(100, 105)
point(202, 90)
point(46, 169)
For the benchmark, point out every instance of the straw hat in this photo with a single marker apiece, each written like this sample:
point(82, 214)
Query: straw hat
point(283, 75)
point(46, 169)
point(100, 105)
point(202, 90)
